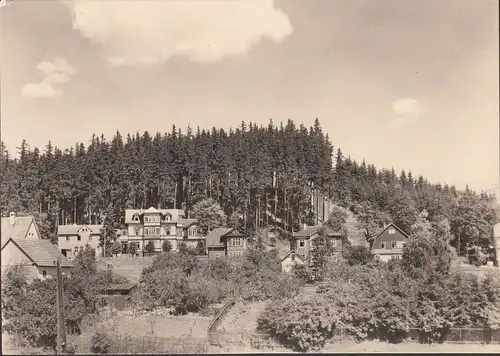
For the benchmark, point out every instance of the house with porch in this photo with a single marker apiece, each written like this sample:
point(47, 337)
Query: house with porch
point(225, 241)
point(302, 241)
point(159, 225)
point(388, 243)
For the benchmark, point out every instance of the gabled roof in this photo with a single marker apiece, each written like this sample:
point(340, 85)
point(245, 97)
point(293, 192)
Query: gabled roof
point(213, 239)
point(75, 229)
point(174, 213)
point(308, 231)
point(235, 233)
point(290, 253)
point(18, 230)
point(186, 222)
point(385, 228)
point(41, 252)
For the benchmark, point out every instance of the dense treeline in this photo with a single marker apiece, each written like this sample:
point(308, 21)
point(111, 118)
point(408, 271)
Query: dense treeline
point(263, 175)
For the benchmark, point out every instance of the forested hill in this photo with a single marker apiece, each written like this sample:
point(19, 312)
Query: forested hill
point(245, 170)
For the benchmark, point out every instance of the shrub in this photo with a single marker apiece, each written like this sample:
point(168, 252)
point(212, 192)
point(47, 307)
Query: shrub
point(70, 348)
point(100, 343)
point(303, 323)
point(358, 255)
point(166, 246)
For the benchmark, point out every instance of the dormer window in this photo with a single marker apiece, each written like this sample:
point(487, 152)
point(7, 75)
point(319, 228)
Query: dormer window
point(392, 231)
point(136, 217)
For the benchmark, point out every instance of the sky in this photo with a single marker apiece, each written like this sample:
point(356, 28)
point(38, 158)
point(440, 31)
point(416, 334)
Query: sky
point(406, 84)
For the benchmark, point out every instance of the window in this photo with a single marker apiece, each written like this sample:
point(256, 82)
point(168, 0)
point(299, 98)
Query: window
point(217, 254)
point(90, 237)
point(81, 248)
point(168, 231)
point(79, 238)
point(394, 244)
point(382, 244)
point(392, 231)
point(302, 243)
point(334, 242)
point(44, 274)
point(377, 257)
point(67, 238)
point(398, 257)
point(135, 217)
point(76, 249)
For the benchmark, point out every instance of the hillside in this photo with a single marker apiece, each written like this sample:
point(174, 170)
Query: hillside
point(274, 176)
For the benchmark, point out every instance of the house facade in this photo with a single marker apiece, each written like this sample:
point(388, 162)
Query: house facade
point(388, 243)
point(72, 239)
point(226, 242)
point(37, 256)
point(155, 226)
point(302, 241)
point(18, 227)
point(290, 260)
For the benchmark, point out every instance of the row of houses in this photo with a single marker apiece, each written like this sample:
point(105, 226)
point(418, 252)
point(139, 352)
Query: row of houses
point(22, 243)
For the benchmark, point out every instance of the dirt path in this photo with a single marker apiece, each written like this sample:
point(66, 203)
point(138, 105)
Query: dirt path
point(243, 317)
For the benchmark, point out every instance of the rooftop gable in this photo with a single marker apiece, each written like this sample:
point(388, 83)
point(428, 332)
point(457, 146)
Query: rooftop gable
point(386, 228)
point(41, 252)
point(214, 237)
point(75, 229)
point(17, 230)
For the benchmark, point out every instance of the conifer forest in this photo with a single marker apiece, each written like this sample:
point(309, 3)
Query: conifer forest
point(262, 176)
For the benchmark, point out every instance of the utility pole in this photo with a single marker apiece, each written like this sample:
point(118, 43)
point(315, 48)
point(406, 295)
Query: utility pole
point(61, 320)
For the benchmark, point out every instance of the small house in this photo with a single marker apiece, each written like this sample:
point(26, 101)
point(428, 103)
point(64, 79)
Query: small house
point(39, 257)
point(301, 241)
point(224, 241)
point(290, 260)
point(388, 243)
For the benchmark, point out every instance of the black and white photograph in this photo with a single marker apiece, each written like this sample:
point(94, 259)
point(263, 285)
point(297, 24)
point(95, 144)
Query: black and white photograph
point(249, 176)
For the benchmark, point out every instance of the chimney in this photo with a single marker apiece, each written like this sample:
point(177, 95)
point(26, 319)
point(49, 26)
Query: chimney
point(12, 217)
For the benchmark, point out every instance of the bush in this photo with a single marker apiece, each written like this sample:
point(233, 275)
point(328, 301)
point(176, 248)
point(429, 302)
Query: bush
point(100, 343)
point(358, 255)
point(166, 246)
point(70, 348)
point(304, 323)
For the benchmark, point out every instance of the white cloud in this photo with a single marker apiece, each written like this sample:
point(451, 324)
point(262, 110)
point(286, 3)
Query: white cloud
point(407, 111)
point(144, 33)
point(57, 72)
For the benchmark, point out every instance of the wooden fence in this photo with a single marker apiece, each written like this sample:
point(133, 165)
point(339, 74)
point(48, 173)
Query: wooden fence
point(213, 335)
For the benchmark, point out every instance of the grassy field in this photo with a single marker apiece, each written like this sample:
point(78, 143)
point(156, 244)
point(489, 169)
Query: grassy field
point(129, 267)
point(157, 324)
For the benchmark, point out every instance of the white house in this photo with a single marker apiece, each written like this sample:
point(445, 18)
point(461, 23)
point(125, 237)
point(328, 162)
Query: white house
point(290, 260)
point(38, 257)
point(18, 227)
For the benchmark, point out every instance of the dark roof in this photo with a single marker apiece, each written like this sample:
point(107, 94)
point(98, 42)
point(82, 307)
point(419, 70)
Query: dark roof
point(385, 228)
point(311, 230)
point(17, 230)
point(213, 239)
point(235, 233)
point(292, 253)
point(41, 252)
point(121, 286)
